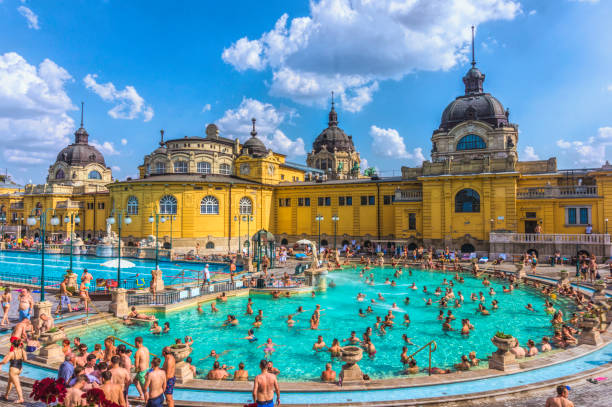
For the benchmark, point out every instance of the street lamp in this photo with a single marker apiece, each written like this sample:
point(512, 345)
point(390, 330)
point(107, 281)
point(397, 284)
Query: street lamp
point(155, 218)
point(111, 221)
point(606, 225)
point(335, 218)
point(249, 219)
point(73, 219)
point(3, 222)
point(171, 217)
point(43, 226)
point(240, 219)
point(319, 218)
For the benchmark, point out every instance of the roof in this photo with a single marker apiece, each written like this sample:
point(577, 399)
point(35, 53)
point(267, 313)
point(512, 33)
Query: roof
point(301, 167)
point(191, 178)
point(203, 139)
point(342, 181)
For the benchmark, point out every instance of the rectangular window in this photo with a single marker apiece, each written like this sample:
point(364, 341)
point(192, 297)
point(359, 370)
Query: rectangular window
point(571, 216)
point(530, 215)
point(349, 201)
point(287, 201)
point(388, 199)
point(412, 221)
point(300, 201)
point(327, 201)
point(364, 200)
point(100, 205)
point(371, 200)
point(282, 176)
point(321, 201)
point(584, 216)
point(306, 201)
point(281, 202)
point(341, 200)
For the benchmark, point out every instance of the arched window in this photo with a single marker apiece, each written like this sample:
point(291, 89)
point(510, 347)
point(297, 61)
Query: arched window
point(160, 167)
point(471, 142)
point(132, 205)
point(209, 206)
point(204, 167)
point(468, 248)
point(167, 205)
point(180, 166)
point(467, 200)
point(246, 206)
point(225, 169)
point(324, 243)
point(284, 242)
point(94, 175)
point(60, 174)
point(210, 245)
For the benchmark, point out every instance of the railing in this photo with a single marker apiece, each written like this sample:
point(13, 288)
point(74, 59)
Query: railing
point(52, 282)
point(555, 238)
point(575, 191)
point(17, 205)
point(429, 344)
point(175, 296)
point(69, 205)
point(409, 195)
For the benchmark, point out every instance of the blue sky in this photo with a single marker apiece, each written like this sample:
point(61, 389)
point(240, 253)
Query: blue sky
point(142, 66)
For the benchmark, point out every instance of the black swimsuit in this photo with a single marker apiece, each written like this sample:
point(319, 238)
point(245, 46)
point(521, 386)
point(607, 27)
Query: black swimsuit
point(16, 363)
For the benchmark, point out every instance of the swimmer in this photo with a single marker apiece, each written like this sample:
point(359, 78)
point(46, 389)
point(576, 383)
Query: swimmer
point(393, 283)
point(394, 306)
point(250, 336)
point(450, 315)
point(414, 287)
point(299, 310)
point(155, 328)
point(290, 321)
point(352, 339)
point(406, 319)
point(213, 307)
point(446, 326)
point(312, 294)
point(441, 315)
point(166, 327)
point(222, 297)
point(482, 309)
point(427, 302)
point(407, 340)
point(387, 281)
point(369, 310)
point(257, 322)
point(199, 309)
point(494, 304)
point(335, 350)
point(491, 291)
point(529, 307)
point(407, 300)
point(360, 297)
point(457, 303)
point(249, 307)
point(269, 347)
point(361, 314)
point(319, 344)
point(425, 289)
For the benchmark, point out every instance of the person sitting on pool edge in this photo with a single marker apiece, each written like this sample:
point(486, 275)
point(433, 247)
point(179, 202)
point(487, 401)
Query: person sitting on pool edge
point(138, 315)
point(328, 375)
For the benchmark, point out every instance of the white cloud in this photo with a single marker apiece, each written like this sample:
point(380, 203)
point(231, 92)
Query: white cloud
point(206, 108)
point(586, 1)
point(533, 12)
point(237, 123)
point(363, 164)
point(610, 88)
point(529, 154)
point(389, 144)
point(124, 141)
point(34, 108)
point(106, 148)
point(129, 104)
point(350, 45)
point(116, 168)
point(591, 153)
point(30, 16)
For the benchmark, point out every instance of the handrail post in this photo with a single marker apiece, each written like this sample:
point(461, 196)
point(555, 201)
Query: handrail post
point(429, 358)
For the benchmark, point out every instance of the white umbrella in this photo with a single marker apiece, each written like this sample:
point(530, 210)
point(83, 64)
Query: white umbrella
point(114, 263)
point(304, 241)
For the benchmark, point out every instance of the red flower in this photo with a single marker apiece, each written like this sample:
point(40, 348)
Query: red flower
point(49, 390)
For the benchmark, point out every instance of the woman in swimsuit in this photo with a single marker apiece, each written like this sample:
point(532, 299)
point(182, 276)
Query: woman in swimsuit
point(269, 347)
point(6, 305)
point(15, 359)
point(335, 350)
point(250, 336)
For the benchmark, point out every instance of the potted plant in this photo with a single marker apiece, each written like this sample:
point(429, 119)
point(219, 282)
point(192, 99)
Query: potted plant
point(52, 336)
point(49, 390)
point(599, 286)
point(503, 342)
point(589, 321)
point(564, 274)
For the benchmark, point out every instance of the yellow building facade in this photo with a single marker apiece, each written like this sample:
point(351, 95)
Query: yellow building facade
point(474, 194)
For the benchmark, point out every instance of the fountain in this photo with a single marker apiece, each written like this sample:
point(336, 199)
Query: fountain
point(351, 372)
point(105, 247)
point(503, 359)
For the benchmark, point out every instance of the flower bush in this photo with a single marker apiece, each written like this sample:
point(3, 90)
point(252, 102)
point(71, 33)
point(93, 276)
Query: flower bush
point(49, 390)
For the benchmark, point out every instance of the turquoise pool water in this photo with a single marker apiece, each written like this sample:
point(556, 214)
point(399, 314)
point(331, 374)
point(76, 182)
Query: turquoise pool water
point(298, 361)
point(27, 266)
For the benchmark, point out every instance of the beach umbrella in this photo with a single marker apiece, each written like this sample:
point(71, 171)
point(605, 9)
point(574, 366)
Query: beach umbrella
point(304, 241)
point(114, 263)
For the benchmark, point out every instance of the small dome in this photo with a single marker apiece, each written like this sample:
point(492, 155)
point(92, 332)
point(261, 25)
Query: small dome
point(80, 154)
point(483, 107)
point(254, 146)
point(333, 137)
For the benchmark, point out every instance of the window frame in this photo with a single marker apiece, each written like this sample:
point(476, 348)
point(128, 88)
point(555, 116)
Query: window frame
point(207, 167)
point(209, 201)
point(470, 142)
point(163, 208)
point(132, 205)
point(474, 205)
point(181, 163)
point(244, 207)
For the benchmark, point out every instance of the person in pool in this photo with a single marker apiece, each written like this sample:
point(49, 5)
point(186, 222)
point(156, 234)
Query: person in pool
point(290, 321)
point(199, 309)
point(166, 327)
point(407, 340)
point(369, 347)
point(352, 339)
point(335, 350)
point(250, 336)
point(319, 344)
point(269, 347)
point(406, 319)
point(155, 328)
point(213, 307)
point(249, 307)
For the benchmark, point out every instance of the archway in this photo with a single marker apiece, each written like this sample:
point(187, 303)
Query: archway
point(468, 248)
point(324, 243)
point(412, 246)
point(531, 252)
point(284, 242)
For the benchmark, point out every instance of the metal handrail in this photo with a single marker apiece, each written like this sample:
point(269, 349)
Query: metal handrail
point(428, 344)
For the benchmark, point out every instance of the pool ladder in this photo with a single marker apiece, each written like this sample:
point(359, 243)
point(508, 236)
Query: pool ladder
point(432, 348)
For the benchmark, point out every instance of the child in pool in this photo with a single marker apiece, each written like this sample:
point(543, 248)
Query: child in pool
point(269, 347)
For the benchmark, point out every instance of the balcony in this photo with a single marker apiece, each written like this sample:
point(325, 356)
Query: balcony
point(408, 195)
point(69, 205)
point(554, 238)
point(17, 205)
point(558, 192)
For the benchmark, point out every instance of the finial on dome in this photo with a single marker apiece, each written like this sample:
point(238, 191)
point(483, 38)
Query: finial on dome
point(161, 143)
point(473, 54)
point(82, 105)
point(333, 116)
point(253, 132)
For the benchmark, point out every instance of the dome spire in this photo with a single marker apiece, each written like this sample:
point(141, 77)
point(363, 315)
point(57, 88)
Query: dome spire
point(333, 116)
point(82, 106)
point(253, 132)
point(161, 132)
point(81, 136)
point(473, 79)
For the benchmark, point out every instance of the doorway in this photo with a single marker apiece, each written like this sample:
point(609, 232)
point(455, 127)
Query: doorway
point(530, 226)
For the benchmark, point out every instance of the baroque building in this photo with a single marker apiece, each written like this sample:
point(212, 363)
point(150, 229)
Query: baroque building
point(474, 194)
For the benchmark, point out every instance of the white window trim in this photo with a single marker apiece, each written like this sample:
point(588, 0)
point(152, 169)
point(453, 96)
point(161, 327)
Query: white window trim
point(577, 207)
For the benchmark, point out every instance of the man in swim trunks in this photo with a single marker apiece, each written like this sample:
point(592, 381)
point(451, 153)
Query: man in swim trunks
point(561, 400)
point(26, 304)
point(141, 364)
point(64, 297)
point(265, 386)
point(169, 368)
point(155, 384)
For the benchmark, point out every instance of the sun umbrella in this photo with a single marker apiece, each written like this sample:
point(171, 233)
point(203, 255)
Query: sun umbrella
point(114, 263)
point(304, 241)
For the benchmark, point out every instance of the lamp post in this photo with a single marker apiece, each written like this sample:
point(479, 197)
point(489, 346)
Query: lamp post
point(606, 220)
point(238, 219)
point(122, 216)
point(335, 218)
point(3, 222)
point(249, 219)
point(73, 219)
point(171, 217)
point(156, 218)
point(54, 221)
point(319, 218)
